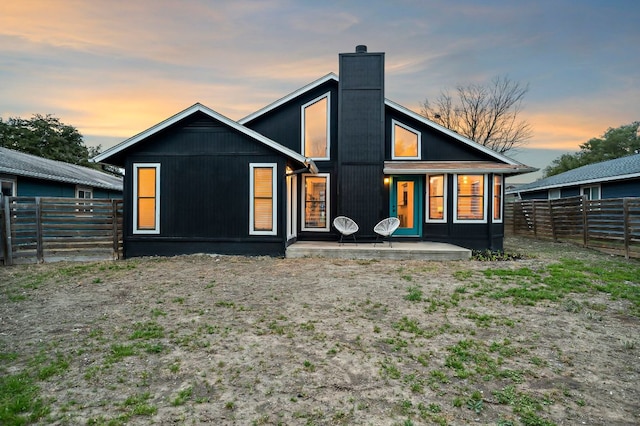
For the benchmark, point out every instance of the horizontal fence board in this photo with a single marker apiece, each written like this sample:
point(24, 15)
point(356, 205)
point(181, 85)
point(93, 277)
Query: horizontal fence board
point(609, 225)
point(42, 227)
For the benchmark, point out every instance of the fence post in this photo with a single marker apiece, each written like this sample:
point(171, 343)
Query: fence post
point(551, 221)
point(627, 225)
point(6, 241)
point(39, 248)
point(114, 228)
point(585, 222)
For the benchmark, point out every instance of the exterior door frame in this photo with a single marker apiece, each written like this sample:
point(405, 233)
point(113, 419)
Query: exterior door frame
point(416, 199)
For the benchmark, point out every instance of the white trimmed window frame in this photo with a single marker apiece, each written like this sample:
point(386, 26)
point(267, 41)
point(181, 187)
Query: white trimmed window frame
point(493, 197)
point(444, 199)
point(589, 189)
point(555, 194)
point(156, 229)
point(328, 129)
point(327, 202)
point(11, 181)
point(395, 123)
point(484, 199)
point(274, 199)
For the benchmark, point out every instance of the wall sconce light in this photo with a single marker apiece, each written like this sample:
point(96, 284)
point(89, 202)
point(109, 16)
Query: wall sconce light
point(386, 181)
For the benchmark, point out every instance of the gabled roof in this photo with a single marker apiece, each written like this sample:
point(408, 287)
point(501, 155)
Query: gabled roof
point(606, 171)
point(21, 164)
point(329, 77)
point(513, 168)
point(516, 166)
point(198, 107)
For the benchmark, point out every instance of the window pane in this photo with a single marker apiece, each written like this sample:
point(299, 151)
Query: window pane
point(436, 197)
point(263, 214)
point(146, 182)
point(405, 142)
point(497, 197)
point(146, 213)
point(315, 129)
point(262, 183)
point(263, 199)
point(315, 202)
point(470, 197)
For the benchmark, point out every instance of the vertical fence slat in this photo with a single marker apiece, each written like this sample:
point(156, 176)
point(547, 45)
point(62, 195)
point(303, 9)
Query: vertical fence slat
point(39, 244)
point(627, 226)
point(8, 254)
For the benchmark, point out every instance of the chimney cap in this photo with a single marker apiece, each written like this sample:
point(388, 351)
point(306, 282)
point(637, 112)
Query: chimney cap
point(361, 48)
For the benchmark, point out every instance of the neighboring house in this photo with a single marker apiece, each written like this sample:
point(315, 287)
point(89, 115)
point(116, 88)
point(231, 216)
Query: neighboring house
point(27, 175)
point(615, 178)
point(200, 182)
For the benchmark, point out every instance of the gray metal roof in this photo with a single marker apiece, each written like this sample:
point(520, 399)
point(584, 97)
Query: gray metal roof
point(21, 164)
point(617, 169)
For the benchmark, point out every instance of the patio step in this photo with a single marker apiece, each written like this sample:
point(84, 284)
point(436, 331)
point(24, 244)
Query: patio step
point(422, 250)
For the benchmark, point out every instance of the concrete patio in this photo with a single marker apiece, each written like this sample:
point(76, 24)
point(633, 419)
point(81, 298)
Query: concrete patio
point(420, 250)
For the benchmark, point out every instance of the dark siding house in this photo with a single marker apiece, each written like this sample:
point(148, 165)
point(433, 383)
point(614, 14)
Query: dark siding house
point(200, 182)
point(615, 178)
point(26, 175)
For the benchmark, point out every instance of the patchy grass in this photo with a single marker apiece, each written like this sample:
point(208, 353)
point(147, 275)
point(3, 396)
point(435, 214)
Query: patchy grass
point(197, 339)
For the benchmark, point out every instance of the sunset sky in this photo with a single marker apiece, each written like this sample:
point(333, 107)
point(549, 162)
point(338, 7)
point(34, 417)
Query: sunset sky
point(114, 68)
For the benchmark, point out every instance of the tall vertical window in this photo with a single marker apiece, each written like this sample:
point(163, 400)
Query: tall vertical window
point(315, 128)
point(316, 202)
point(497, 198)
point(85, 193)
point(146, 198)
point(470, 198)
point(436, 203)
point(262, 217)
point(406, 142)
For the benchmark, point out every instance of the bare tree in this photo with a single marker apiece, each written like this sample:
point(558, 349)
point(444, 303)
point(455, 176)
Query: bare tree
point(486, 114)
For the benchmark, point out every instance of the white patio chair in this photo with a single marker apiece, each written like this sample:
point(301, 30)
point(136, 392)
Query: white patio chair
point(386, 228)
point(346, 226)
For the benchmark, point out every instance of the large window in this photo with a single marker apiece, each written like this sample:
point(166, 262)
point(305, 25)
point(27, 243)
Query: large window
point(262, 196)
point(406, 142)
point(470, 198)
point(497, 198)
point(436, 201)
point(146, 198)
point(316, 202)
point(315, 128)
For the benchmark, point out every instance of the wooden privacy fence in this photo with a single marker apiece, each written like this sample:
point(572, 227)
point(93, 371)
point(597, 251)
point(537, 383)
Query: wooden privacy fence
point(609, 225)
point(38, 229)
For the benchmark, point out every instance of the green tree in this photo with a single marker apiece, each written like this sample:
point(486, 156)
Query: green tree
point(45, 136)
point(614, 143)
point(485, 113)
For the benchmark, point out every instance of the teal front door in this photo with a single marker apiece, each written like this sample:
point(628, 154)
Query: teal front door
point(406, 204)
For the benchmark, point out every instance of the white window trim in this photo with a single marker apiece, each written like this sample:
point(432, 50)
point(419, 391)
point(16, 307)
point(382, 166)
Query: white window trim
point(553, 192)
point(583, 188)
point(156, 229)
point(444, 199)
point(14, 185)
point(327, 207)
point(393, 141)
point(493, 195)
point(455, 200)
point(274, 199)
point(302, 138)
point(85, 189)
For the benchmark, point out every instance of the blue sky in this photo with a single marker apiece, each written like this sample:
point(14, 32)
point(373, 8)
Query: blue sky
point(113, 68)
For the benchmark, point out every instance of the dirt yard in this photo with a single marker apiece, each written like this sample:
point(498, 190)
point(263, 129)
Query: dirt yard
point(549, 339)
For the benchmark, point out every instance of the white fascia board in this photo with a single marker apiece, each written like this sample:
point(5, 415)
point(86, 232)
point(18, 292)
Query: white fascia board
point(451, 133)
point(290, 96)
